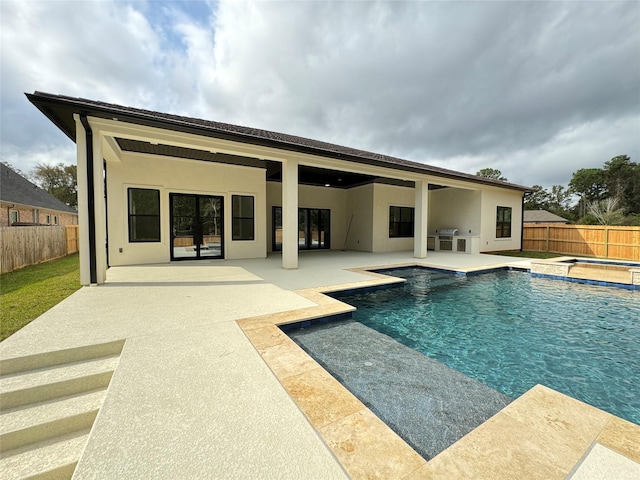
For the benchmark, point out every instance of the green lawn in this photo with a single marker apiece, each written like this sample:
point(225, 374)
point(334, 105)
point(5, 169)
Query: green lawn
point(27, 293)
point(516, 253)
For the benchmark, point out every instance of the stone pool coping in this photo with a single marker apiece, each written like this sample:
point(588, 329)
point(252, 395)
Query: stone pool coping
point(542, 434)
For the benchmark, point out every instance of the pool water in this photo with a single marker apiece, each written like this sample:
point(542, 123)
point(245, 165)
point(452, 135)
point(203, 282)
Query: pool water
point(511, 331)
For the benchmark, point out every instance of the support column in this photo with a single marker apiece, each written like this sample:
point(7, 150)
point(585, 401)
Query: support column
point(421, 214)
point(100, 210)
point(83, 206)
point(91, 204)
point(290, 214)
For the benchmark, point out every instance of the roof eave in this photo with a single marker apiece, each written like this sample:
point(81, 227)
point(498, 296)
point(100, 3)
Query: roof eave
point(43, 101)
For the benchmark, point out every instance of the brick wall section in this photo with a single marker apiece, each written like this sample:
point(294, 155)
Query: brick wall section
point(26, 215)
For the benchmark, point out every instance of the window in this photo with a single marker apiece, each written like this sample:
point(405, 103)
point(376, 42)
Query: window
point(48, 217)
point(503, 222)
point(55, 219)
point(15, 216)
point(36, 216)
point(242, 224)
point(144, 215)
point(401, 222)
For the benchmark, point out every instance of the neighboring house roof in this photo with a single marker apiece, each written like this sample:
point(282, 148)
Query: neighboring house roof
point(60, 110)
point(542, 216)
point(14, 188)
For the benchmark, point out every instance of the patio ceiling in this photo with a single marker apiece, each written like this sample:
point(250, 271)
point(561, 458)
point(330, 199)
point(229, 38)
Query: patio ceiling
point(307, 175)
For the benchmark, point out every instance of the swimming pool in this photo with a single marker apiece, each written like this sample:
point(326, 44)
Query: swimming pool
point(511, 331)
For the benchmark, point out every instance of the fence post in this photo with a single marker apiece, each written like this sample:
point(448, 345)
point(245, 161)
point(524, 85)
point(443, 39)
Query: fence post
point(546, 240)
point(606, 242)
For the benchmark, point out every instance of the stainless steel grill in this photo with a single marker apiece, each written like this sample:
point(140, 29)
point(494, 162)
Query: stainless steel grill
point(448, 232)
point(445, 237)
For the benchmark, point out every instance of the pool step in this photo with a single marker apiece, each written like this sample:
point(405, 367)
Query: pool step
point(48, 403)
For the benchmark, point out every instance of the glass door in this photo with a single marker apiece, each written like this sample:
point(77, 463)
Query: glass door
point(313, 228)
point(210, 220)
point(318, 228)
point(196, 226)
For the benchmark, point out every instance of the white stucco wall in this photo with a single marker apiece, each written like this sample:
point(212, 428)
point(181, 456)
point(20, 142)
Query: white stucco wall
point(455, 208)
point(360, 213)
point(491, 199)
point(171, 175)
point(385, 196)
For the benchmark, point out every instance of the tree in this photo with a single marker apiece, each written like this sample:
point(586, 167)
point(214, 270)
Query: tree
point(590, 185)
point(59, 180)
point(622, 177)
point(491, 173)
point(537, 200)
point(607, 212)
point(559, 199)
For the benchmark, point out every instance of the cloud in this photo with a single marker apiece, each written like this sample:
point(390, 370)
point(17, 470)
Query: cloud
point(535, 89)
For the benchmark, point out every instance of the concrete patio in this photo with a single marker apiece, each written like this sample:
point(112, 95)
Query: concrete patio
point(202, 387)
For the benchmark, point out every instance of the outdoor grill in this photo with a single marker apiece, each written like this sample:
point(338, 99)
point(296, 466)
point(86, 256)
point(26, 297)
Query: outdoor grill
point(448, 232)
point(445, 237)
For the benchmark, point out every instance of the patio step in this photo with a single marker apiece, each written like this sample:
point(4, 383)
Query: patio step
point(24, 425)
point(50, 459)
point(48, 403)
point(54, 382)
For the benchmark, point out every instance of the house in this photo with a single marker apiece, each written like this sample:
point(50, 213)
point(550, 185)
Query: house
point(542, 216)
point(184, 188)
point(23, 203)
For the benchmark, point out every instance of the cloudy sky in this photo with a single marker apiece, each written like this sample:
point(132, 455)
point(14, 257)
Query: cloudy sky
point(535, 89)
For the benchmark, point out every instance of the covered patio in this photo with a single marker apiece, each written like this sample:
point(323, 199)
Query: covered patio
point(155, 187)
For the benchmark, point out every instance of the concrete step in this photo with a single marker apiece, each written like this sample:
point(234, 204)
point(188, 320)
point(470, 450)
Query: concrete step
point(48, 403)
point(34, 423)
point(71, 355)
point(47, 383)
point(51, 459)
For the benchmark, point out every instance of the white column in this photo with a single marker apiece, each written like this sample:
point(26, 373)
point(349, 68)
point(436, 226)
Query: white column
point(290, 214)
point(100, 207)
point(83, 207)
point(421, 213)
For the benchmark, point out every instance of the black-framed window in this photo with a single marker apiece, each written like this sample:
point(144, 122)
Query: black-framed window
point(503, 222)
point(144, 215)
point(242, 217)
point(401, 222)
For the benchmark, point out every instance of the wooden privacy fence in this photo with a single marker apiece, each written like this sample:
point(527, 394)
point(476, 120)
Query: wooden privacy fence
point(73, 242)
point(620, 243)
point(22, 246)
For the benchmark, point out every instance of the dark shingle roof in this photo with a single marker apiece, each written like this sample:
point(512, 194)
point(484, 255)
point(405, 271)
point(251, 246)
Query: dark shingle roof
point(542, 216)
point(14, 188)
point(60, 109)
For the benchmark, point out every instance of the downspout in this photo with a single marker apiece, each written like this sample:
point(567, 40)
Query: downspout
point(91, 202)
point(522, 223)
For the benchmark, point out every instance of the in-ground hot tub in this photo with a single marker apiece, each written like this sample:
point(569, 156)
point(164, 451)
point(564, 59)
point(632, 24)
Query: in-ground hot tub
point(614, 273)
